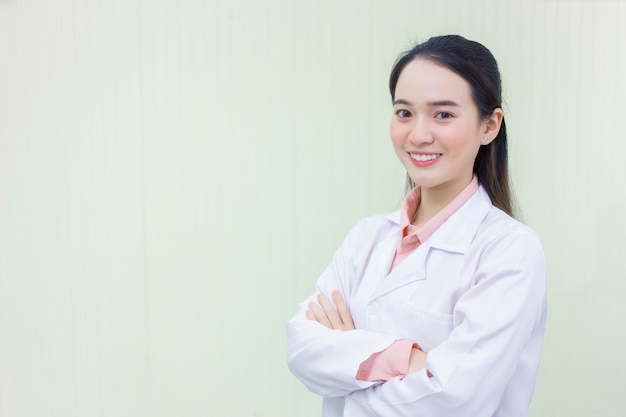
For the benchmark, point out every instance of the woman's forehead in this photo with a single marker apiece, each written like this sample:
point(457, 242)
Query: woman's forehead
point(426, 81)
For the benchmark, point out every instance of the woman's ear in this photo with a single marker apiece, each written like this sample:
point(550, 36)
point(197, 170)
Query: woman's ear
point(492, 124)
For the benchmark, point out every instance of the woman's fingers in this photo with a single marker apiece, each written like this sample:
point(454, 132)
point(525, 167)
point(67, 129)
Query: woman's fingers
point(330, 311)
point(334, 316)
point(319, 314)
point(344, 311)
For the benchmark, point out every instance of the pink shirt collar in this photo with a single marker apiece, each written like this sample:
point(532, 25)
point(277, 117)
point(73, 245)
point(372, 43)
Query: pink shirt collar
point(411, 203)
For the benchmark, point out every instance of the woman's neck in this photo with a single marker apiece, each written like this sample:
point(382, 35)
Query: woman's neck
point(433, 200)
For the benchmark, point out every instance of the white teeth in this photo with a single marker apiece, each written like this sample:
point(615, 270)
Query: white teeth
point(424, 157)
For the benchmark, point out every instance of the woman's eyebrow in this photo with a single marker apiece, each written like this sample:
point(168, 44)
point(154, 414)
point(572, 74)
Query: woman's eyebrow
point(402, 101)
point(443, 103)
point(430, 103)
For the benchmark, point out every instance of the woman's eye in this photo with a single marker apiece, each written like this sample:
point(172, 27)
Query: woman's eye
point(403, 114)
point(443, 115)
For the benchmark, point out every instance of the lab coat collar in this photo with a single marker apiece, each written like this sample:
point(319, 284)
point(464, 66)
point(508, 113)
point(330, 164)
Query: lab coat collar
point(457, 233)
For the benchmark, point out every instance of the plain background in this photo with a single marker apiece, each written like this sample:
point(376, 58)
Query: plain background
point(174, 176)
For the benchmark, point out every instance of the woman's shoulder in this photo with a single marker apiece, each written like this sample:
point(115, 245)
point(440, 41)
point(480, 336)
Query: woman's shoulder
point(499, 225)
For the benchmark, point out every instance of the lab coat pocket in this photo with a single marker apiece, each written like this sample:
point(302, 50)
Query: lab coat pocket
point(427, 328)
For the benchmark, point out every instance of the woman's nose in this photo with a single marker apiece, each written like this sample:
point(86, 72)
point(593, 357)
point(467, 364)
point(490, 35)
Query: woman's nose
point(420, 132)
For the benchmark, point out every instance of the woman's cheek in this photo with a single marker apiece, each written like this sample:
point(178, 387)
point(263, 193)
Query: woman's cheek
point(396, 133)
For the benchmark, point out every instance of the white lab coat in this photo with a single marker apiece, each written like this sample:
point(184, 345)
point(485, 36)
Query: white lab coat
point(473, 296)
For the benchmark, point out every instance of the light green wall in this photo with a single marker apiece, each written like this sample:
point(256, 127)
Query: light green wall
point(174, 175)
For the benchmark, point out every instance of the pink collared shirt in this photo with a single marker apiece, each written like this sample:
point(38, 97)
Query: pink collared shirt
point(394, 361)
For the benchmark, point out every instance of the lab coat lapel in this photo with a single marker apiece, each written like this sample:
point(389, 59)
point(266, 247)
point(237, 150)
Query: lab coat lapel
point(455, 235)
point(409, 270)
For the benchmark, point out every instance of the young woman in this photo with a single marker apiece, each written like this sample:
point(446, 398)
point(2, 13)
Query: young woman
point(438, 309)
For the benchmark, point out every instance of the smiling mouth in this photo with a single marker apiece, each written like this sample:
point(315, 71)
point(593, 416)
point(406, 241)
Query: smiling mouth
point(424, 158)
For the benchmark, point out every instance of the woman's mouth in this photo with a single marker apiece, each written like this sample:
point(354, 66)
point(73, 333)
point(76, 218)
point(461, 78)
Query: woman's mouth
point(424, 157)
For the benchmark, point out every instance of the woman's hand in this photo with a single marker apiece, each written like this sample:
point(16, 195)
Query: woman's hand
point(417, 360)
point(324, 312)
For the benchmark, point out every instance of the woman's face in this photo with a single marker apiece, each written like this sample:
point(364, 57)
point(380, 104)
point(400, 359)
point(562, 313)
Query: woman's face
point(435, 129)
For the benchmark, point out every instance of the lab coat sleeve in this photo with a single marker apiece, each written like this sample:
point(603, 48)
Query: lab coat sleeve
point(496, 324)
point(326, 361)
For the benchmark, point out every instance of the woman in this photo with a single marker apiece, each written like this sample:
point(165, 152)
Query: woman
point(438, 309)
